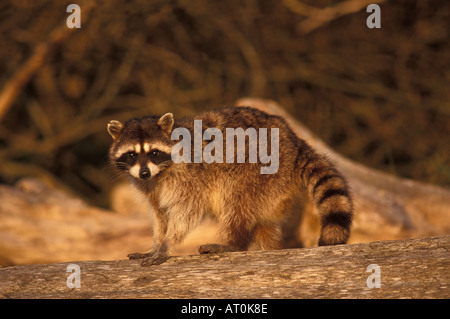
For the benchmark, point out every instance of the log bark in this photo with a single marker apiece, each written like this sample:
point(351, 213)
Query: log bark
point(413, 268)
point(386, 206)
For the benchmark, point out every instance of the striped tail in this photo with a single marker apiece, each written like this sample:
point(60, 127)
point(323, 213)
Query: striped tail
point(330, 193)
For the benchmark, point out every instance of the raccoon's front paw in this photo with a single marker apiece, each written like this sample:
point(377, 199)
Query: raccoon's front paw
point(156, 259)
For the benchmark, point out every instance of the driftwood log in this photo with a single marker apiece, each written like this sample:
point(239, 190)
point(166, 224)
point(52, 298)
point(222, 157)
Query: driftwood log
point(413, 268)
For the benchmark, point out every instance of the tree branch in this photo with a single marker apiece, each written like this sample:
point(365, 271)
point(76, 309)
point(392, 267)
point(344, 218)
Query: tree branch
point(14, 86)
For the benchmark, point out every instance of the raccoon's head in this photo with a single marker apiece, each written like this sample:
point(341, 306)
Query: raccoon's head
point(142, 147)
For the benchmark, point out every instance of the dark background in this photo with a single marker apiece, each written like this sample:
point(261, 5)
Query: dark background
point(378, 96)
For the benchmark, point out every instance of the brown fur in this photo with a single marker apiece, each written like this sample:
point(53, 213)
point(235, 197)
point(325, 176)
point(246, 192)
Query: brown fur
point(249, 206)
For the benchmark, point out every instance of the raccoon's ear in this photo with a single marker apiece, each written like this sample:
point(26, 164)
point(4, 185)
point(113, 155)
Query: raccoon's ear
point(166, 123)
point(114, 128)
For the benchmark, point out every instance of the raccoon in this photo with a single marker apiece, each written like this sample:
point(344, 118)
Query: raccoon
point(249, 206)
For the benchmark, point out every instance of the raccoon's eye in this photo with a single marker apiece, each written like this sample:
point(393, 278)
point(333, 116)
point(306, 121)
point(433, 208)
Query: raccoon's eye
point(154, 153)
point(132, 154)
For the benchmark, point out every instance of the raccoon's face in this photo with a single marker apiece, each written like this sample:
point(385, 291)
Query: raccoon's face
point(142, 147)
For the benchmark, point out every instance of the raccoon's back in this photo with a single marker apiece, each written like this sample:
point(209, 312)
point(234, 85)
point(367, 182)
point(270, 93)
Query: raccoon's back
point(247, 173)
point(241, 116)
point(248, 117)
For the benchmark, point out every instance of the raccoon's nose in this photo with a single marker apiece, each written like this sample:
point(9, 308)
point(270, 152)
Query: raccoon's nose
point(144, 173)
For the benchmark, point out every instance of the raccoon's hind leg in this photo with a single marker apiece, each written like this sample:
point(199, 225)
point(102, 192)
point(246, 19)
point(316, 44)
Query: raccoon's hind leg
point(265, 237)
point(237, 224)
point(250, 224)
point(268, 237)
point(214, 249)
point(238, 240)
point(138, 255)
